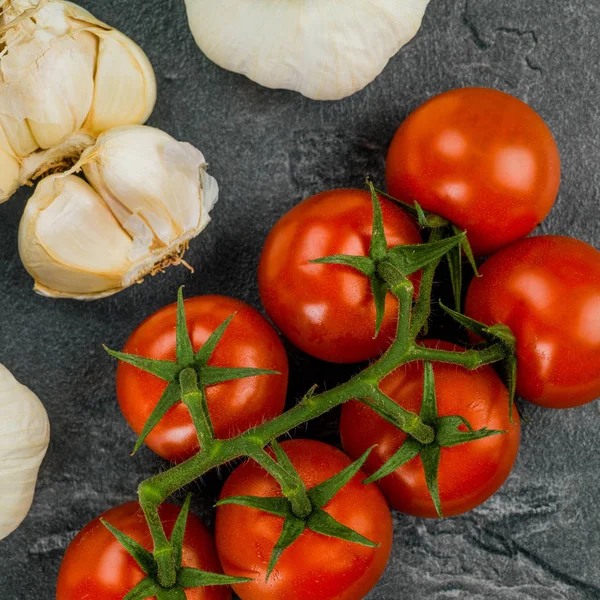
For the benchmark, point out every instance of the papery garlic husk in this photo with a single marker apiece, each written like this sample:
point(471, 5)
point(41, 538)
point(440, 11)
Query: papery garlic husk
point(324, 49)
point(148, 195)
point(65, 77)
point(24, 438)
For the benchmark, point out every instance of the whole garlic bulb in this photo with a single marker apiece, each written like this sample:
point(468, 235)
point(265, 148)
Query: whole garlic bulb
point(324, 49)
point(24, 438)
point(148, 196)
point(65, 77)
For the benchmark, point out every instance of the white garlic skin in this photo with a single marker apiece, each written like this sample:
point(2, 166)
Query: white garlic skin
point(148, 195)
point(324, 49)
point(24, 438)
point(64, 77)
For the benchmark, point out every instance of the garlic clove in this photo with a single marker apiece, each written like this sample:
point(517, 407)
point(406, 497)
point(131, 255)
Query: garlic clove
point(18, 134)
point(322, 49)
point(10, 169)
point(70, 242)
point(24, 438)
point(125, 84)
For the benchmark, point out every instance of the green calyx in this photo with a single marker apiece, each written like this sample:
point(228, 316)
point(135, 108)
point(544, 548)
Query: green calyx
point(405, 259)
point(448, 431)
point(186, 578)
point(187, 376)
point(315, 518)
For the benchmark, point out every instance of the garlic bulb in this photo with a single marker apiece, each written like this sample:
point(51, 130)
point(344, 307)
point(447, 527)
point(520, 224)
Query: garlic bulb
point(65, 77)
point(324, 49)
point(148, 196)
point(24, 437)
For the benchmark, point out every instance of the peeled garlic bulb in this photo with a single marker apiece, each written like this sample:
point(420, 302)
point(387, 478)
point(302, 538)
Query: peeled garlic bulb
point(24, 438)
point(148, 196)
point(65, 77)
point(324, 49)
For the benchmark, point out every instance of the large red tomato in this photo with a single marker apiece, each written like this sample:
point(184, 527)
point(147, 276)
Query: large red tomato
point(481, 158)
point(234, 406)
point(314, 567)
point(469, 473)
point(328, 310)
point(547, 290)
point(97, 567)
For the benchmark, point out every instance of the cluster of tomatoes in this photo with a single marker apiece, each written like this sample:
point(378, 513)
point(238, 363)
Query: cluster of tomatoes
point(489, 164)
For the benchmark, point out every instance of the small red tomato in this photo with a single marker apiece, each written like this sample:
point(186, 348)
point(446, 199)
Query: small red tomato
point(328, 310)
point(314, 567)
point(469, 473)
point(481, 158)
point(234, 406)
point(547, 290)
point(97, 567)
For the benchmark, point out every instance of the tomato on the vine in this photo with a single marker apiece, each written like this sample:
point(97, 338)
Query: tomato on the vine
point(327, 310)
point(481, 158)
point(234, 406)
point(468, 473)
point(547, 290)
point(314, 567)
point(97, 567)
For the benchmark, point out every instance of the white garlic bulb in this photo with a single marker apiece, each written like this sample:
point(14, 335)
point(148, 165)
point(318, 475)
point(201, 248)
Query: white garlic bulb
point(65, 77)
point(148, 196)
point(24, 438)
point(324, 49)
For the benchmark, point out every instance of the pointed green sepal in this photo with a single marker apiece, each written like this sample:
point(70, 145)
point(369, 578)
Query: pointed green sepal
point(274, 506)
point(214, 375)
point(378, 247)
point(321, 522)
point(448, 433)
point(379, 288)
point(321, 494)
point(361, 263)
point(185, 351)
point(193, 578)
point(163, 369)
point(285, 462)
point(206, 351)
point(409, 449)
point(454, 258)
point(466, 248)
point(421, 216)
point(509, 376)
point(292, 530)
point(430, 457)
point(429, 413)
point(142, 557)
point(178, 533)
point(171, 396)
point(147, 588)
point(411, 258)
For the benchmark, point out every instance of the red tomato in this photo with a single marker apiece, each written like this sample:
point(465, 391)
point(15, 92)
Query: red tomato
point(234, 406)
point(314, 567)
point(547, 290)
point(97, 567)
point(468, 474)
point(481, 158)
point(328, 310)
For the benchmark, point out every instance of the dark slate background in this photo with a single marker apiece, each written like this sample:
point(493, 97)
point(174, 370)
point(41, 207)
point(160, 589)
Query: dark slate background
point(539, 537)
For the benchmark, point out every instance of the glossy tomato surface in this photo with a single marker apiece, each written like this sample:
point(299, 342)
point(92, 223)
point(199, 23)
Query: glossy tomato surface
point(315, 567)
point(97, 567)
point(234, 406)
point(328, 310)
point(481, 158)
point(469, 473)
point(547, 290)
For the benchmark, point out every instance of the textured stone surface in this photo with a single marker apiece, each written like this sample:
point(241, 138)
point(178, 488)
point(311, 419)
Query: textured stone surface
point(539, 537)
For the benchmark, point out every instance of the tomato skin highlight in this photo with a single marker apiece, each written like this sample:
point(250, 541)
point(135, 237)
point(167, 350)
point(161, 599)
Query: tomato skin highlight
point(315, 567)
point(547, 290)
point(234, 406)
point(327, 310)
point(481, 158)
point(469, 473)
point(97, 567)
